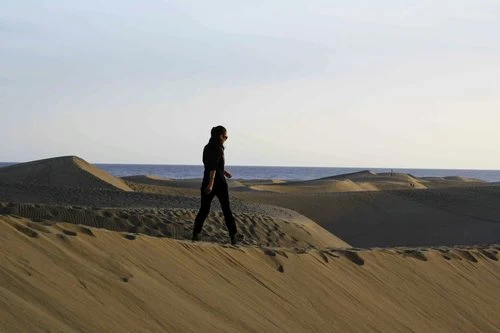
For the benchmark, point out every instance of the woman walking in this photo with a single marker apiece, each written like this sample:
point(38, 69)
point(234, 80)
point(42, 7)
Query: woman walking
point(215, 184)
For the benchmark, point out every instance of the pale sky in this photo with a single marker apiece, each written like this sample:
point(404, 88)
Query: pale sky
point(386, 83)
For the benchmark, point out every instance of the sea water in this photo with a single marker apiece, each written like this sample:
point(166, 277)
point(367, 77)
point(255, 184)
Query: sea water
point(284, 173)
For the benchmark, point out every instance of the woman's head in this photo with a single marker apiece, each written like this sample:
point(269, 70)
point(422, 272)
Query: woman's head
point(218, 134)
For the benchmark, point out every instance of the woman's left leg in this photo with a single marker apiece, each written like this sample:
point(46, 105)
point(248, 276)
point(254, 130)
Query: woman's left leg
point(223, 196)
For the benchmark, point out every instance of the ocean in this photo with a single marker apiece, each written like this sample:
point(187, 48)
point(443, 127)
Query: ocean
point(285, 173)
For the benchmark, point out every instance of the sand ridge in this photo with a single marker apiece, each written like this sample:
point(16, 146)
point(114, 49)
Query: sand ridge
point(274, 230)
point(444, 216)
point(462, 212)
point(182, 187)
point(363, 181)
point(65, 277)
point(66, 171)
point(354, 182)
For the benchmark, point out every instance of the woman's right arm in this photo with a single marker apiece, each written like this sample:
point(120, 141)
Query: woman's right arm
point(211, 181)
point(213, 157)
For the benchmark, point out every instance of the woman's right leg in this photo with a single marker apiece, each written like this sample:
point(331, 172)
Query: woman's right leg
point(206, 200)
point(223, 196)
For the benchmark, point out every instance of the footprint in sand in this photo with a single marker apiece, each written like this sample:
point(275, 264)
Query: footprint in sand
point(39, 227)
point(466, 255)
point(412, 253)
point(352, 256)
point(107, 214)
point(489, 254)
point(272, 254)
point(63, 237)
point(324, 257)
point(86, 231)
point(68, 232)
point(26, 230)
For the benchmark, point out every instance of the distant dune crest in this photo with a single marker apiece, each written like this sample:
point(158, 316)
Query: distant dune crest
point(363, 181)
point(66, 171)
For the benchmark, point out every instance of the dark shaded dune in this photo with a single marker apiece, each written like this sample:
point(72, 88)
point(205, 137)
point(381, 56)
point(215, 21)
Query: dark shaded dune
point(69, 188)
point(163, 189)
point(164, 182)
point(13, 194)
point(43, 194)
point(258, 229)
point(185, 187)
point(67, 171)
point(147, 179)
point(400, 218)
point(189, 187)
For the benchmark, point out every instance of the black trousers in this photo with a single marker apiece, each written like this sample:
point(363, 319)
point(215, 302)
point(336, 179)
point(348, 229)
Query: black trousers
point(222, 193)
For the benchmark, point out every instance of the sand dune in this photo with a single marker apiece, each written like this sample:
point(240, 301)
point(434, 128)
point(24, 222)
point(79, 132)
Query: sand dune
point(276, 230)
point(316, 186)
point(251, 182)
point(363, 181)
point(82, 250)
point(68, 171)
point(446, 216)
point(70, 278)
point(156, 181)
point(150, 184)
point(355, 182)
point(148, 179)
point(453, 181)
point(465, 213)
point(177, 187)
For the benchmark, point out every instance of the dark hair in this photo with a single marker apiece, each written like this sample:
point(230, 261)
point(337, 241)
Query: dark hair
point(216, 132)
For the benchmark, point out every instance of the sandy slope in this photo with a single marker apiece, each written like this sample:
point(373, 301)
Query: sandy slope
point(103, 271)
point(278, 228)
point(460, 211)
point(362, 181)
point(66, 278)
point(316, 186)
point(446, 216)
point(181, 187)
point(354, 182)
point(67, 171)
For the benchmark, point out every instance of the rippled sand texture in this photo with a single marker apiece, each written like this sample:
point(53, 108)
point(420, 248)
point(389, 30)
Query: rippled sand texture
point(257, 229)
point(64, 277)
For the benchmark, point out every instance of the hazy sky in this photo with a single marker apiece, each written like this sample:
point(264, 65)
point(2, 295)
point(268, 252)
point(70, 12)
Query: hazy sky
point(387, 83)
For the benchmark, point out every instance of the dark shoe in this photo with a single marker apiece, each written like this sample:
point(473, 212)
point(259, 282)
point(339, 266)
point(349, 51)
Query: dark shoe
point(196, 237)
point(236, 238)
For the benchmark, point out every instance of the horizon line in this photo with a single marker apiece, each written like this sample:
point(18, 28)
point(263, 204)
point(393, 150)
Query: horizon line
point(282, 166)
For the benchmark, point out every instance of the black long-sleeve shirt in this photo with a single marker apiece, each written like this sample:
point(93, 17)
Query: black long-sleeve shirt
point(213, 159)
